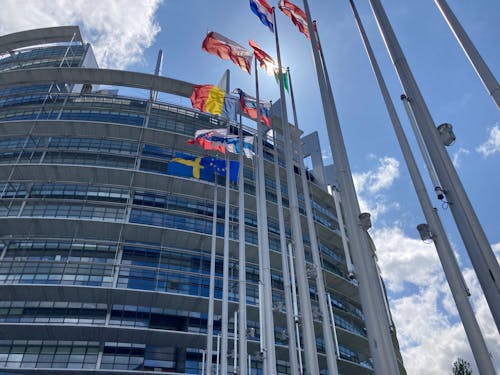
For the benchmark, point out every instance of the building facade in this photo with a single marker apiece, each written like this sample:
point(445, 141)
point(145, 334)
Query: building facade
point(105, 256)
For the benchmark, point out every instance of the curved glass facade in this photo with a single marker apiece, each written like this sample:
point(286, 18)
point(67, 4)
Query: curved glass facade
point(105, 256)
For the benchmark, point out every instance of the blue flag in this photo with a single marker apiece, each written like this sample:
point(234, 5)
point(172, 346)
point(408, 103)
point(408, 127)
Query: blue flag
point(203, 168)
point(219, 166)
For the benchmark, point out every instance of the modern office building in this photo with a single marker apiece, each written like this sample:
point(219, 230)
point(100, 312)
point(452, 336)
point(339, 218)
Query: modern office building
point(104, 256)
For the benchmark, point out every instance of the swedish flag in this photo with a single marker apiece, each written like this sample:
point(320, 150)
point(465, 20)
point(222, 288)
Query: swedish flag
point(204, 168)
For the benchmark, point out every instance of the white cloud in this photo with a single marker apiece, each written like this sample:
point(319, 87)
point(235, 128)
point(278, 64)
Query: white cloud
point(369, 186)
point(429, 330)
point(492, 144)
point(407, 260)
point(496, 248)
point(119, 30)
point(456, 156)
point(381, 178)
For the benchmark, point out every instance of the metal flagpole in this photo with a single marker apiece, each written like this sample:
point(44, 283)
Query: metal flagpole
point(269, 349)
point(225, 274)
point(425, 155)
point(235, 342)
point(332, 318)
point(218, 356)
point(292, 343)
point(203, 358)
point(484, 72)
point(438, 235)
point(242, 273)
point(377, 325)
point(479, 249)
point(296, 316)
point(211, 288)
point(259, 241)
point(300, 264)
point(331, 356)
point(343, 235)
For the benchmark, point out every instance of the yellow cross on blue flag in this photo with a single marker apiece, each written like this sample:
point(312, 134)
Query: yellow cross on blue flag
point(203, 168)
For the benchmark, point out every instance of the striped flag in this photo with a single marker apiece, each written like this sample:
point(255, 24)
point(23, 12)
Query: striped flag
point(264, 11)
point(210, 98)
point(226, 49)
point(297, 16)
point(266, 62)
point(220, 140)
point(249, 106)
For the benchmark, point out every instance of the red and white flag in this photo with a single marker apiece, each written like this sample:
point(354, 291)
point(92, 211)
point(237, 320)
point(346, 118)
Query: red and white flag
point(226, 49)
point(297, 16)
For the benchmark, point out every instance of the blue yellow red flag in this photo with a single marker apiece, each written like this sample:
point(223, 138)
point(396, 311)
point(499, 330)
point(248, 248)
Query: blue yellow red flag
point(210, 98)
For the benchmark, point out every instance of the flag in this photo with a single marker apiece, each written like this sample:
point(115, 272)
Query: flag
point(226, 49)
point(266, 62)
point(215, 165)
point(286, 78)
point(201, 167)
point(264, 11)
point(185, 165)
point(210, 98)
point(219, 140)
point(234, 145)
point(249, 106)
point(210, 139)
point(297, 16)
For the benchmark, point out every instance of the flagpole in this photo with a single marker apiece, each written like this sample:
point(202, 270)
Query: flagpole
point(242, 274)
point(335, 192)
point(449, 262)
point(482, 69)
point(290, 325)
point(331, 355)
point(269, 347)
point(477, 245)
point(377, 325)
point(304, 296)
point(296, 317)
point(261, 272)
point(259, 243)
point(211, 288)
point(225, 274)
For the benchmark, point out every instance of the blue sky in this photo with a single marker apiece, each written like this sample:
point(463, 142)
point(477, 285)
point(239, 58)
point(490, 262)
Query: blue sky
point(128, 34)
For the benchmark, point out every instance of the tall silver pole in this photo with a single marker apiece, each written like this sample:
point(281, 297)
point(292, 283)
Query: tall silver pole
point(343, 235)
point(450, 265)
point(292, 343)
point(218, 356)
point(484, 72)
point(372, 299)
point(479, 249)
point(242, 272)
point(296, 316)
point(420, 142)
point(270, 350)
point(332, 318)
point(235, 343)
point(261, 272)
point(203, 358)
point(310, 351)
point(331, 356)
point(225, 276)
point(211, 287)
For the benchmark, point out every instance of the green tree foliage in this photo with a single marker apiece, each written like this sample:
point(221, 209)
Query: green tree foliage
point(461, 367)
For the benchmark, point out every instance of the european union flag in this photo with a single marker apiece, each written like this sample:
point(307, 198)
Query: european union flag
point(219, 166)
point(204, 168)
